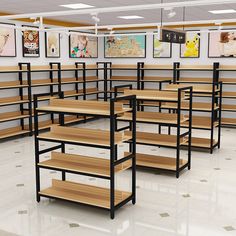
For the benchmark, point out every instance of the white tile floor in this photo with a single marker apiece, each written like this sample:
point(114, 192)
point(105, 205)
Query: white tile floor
point(202, 202)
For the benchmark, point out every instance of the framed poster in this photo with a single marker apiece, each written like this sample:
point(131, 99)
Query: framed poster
point(82, 46)
point(161, 49)
point(130, 46)
point(30, 43)
point(7, 41)
point(222, 44)
point(191, 48)
point(52, 45)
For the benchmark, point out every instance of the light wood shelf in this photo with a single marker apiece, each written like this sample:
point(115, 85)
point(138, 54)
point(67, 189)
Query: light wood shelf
point(45, 68)
point(228, 107)
point(158, 162)
point(201, 122)
point(124, 78)
point(11, 69)
point(228, 80)
point(197, 106)
point(14, 115)
point(82, 193)
point(228, 121)
point(154, 95)
point(157, 139)
point(195, 80)
point(82, 107)
point(197, 88)
point(196, 67)
point(13, 85)
point(83, 164)
point(229, 95)
point(43, 82)
point(154, 117)
point(157, 67)
point(83, 136)
point(123, 66)
point(14, 131)
point(201, 142)
point(156, 79)
point(13, 100)
point(227, 67)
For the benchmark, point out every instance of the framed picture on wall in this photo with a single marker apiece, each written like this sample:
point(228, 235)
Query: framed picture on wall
point(161, 49)
point(191, 48)
point(52, 45)
point(30, 43)
point(130, 46)
point(222, 44)
point(7, 41)
point(82, 46)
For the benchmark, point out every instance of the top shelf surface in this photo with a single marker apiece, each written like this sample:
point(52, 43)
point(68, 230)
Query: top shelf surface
point(82, 107)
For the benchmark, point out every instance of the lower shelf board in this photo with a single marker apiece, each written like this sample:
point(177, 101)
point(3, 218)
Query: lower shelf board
point(158, 162)
point(11, 132)
point(82, 193)
point(202, 142)
point(83, 164)
point(228, 121)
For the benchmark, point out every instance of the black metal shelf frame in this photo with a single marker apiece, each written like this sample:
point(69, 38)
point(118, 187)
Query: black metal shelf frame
point(114, 161)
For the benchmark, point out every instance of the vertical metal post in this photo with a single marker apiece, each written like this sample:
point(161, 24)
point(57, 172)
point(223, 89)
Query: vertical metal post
point(134, 149)
point(220, 114)
point(190, 127)
point(112, 158)
point(178, 132)
point(36, 132)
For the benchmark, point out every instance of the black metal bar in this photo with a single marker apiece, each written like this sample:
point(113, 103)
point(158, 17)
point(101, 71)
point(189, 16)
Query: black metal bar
point(112, 158)
point(117, 87)
point(190, 128)
point(36, 141)
point(220, 115)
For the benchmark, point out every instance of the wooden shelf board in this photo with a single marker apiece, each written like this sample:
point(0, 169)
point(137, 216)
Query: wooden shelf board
point(229, 95)
point(15, 115)
point(153, 117)
point(11, 132)
point(197, 88)
point(195, 79)
point(82, 193)
point(83, 136)
point(124, 78)
point(157, 139)
point(13, 100)
point(156, 79)
point(228, 80)
point(43, 82)
point(123, 66)
point(201, 142)
point(83, 164)
point(154, 95)
point(228, 121)
point(159, 162)
point(82, 107)
point(196, 67)
point(202, 106)
point(13, 85)
point(228, 107)
point(11, 69)
point(157, 67)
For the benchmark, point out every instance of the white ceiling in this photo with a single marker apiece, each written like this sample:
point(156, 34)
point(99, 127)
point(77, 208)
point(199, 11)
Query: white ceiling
point(150, 16)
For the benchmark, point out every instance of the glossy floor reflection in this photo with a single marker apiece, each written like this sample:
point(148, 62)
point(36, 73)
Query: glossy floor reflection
point(200, 203)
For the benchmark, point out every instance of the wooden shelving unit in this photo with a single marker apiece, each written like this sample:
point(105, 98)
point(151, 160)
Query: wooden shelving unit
point(21, 88)
point(177, 120)
point(229, 97)
point(107, 198)
point(203, 88)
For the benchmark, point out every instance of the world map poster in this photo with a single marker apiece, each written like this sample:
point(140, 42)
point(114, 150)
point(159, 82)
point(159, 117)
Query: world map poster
point(130, 46)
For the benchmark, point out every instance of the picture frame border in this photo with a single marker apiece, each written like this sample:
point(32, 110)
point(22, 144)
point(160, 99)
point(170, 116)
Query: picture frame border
point(46, 44)
point(3, 23)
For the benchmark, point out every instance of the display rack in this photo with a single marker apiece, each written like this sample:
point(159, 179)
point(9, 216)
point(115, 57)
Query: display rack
point(19, 85)
point(107, 198)
point(181, 138)
point(209, 91)
point(228, 97)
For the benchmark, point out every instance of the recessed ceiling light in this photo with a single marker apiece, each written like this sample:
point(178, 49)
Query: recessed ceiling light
point(77, 6)
point(130, 17)
point(227, 11)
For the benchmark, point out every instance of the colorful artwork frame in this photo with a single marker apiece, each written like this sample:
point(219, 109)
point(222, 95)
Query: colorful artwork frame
point(168, 46)
point(220, 45)
point(52, 45)
point(193, 49)
point(7, 41)
point(31, 47)
point(75, 52)
point(128, 56)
